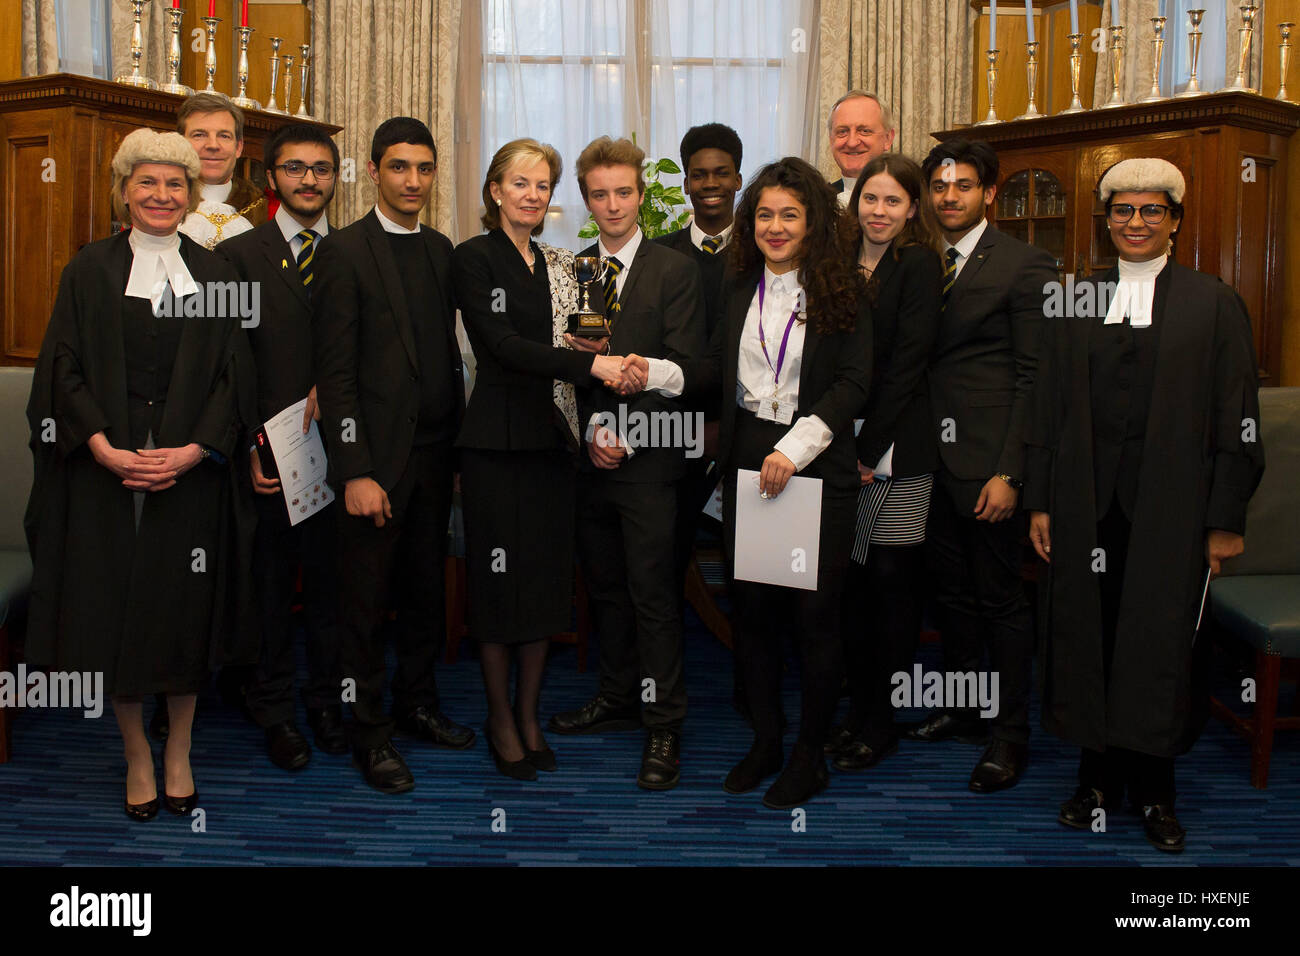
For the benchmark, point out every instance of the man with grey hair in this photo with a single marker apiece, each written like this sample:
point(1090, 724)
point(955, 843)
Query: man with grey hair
point(860, 129)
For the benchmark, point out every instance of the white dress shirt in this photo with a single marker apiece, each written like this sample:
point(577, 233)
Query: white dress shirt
point(290, 227)
point(846, 191)
point(1135, 293)
point(965, 245)
point(156, 263)
point(698, 236)
point(389, 226)
point(625, 255)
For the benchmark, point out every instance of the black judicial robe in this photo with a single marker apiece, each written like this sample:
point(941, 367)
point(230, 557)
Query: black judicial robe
point(1196, 473)
point(139, 606)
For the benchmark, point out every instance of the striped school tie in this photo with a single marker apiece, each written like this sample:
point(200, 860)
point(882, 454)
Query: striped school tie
point(305, 256)
point(949, 273)
point(711, 244)
point(611, 288)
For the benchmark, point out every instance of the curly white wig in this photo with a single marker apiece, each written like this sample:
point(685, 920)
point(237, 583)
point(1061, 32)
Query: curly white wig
point(1143, 176)
point(149, 146)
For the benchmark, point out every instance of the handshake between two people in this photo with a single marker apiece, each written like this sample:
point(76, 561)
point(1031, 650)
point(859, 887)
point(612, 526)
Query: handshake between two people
point(625, 375)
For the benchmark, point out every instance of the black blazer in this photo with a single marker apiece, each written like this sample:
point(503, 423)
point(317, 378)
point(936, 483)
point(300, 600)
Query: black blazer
point(512, 406)
point(905, 323)
point(281, 340)
point(367, 369)
point(715, 269)
point(661, 316)
point(986, 357)
point(834, 379)
point(838, 185)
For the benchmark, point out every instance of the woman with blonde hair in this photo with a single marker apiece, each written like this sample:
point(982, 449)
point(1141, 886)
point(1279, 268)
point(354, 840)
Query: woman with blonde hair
point(139, 523)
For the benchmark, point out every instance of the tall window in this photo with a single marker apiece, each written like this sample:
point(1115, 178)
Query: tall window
point(567, 71)
point(84, 34)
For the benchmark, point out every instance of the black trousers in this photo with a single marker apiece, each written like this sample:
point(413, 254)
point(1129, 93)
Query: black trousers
point(980, 600)
point(279, 550)
point(1149, 779)
point(765, 614)
point(398, 566)
point(884, 603)
point(626, 544)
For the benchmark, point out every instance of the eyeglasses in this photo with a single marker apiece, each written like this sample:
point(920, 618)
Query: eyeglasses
point(296, 170)
point(1153, 214)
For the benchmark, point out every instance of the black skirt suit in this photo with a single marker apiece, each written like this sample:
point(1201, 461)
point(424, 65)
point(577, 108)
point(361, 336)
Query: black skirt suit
point(517, 450)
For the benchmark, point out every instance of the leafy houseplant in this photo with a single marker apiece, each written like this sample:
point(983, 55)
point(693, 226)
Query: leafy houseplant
point(661, 207)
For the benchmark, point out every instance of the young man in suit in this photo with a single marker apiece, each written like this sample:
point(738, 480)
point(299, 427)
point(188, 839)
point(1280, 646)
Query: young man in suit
point(981, 376)
point(279, 255)
point(231, 204)
point(392, 394)
point(627, 491)
point(860, 129)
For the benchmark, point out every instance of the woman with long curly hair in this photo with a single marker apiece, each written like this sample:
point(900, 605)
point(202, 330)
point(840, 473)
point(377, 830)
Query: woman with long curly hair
point(794, 363)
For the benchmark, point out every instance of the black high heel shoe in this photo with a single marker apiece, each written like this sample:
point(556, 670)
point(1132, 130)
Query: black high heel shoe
point(515, 769)
point(181, 806)
point(543, 759)
point(142, 812)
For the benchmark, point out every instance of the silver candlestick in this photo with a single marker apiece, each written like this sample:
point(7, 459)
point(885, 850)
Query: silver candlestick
point(271, 105)
point(992, 76)
point(1116, 69)
point(1284, 60)
point(1158, 42)
point(1194, 46)
point(135, 78)
point(174, 84)
point(243, 99)
point(1031, 74)
point(1244, 35)
point(288, 83)
point(210, 61)
point(1076, 62)
point(305, 50)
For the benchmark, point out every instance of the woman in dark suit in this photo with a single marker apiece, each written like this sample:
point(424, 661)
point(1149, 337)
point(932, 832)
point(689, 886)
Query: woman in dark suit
point(888, 229)
point(140, 517)
point(1142, 454)
point(795, 334)
point(518, 444)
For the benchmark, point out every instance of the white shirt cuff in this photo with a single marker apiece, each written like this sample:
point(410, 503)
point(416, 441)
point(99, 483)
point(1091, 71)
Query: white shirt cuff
point(594, 423)
point(806, 439)
point(665, 377)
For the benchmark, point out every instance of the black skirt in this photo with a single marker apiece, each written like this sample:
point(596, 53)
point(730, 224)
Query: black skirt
point(519, 530)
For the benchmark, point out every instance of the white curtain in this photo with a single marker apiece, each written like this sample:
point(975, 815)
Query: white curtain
point(567, 71)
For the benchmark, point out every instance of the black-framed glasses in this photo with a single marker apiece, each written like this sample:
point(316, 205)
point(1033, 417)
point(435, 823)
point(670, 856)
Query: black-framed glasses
point(1153, 213)
point(296, 170)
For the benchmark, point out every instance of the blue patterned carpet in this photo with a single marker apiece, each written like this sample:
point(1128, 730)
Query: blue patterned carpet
point(62, 794)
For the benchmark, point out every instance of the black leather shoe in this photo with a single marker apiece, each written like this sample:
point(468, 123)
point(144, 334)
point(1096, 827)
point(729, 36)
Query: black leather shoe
point(286, 746)
point(941, 725)
point(383, 768)
point(142, 812)
point(326, 725)
point(521, 769)
point(661, 761)
point(1000, 766)
point(841, 736)
point(802, 779)
point(1163, 830)
point(761, 762)
point(543, 760)
point(181, 806)
point(437, 729)
point(859, 755)
point(160, 723)
point(597, 715)
point(1078, 810)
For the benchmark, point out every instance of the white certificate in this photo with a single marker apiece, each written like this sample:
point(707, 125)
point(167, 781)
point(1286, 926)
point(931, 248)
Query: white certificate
point(778, 539)
point(301, 461)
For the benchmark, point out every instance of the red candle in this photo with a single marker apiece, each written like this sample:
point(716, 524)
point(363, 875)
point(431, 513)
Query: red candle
point(243, 13)
point(212, 8)
point(176, 4)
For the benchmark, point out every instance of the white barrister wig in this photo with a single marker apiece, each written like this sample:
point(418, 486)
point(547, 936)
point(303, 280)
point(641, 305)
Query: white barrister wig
point(1143, 176)
point(149, 146)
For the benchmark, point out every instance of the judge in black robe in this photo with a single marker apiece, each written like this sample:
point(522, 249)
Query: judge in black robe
point(138, 523)
point(1143, 453)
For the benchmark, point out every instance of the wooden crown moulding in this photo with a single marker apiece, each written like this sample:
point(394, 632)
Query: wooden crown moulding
point(67, 89)
point(1244, 110)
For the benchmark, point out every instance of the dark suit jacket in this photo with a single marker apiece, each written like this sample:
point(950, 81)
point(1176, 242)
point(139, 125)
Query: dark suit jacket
point(512, 406)
point(367, 368)
point(905, 323)
point(834, 379)
point(281, 340)
point(662, 316)
point(838, 185)
point(985, 360)
point(714, 271)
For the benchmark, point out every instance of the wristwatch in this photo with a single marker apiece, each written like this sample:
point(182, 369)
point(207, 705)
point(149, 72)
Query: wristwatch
point(1015, 483)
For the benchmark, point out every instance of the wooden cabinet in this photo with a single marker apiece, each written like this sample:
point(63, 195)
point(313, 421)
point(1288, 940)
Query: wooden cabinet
point(58, 134)
point(1232, 150)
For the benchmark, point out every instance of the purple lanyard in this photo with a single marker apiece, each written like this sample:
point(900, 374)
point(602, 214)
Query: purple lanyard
point(762, 338)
